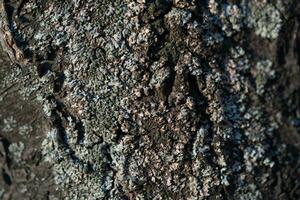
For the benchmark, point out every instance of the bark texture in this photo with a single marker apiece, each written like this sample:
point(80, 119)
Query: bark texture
point(150, 99)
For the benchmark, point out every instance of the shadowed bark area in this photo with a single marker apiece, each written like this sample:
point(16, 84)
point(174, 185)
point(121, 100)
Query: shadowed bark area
point(150, 99)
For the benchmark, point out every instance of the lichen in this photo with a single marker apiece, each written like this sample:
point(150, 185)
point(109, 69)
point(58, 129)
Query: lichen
point(9, 124)
point(16, 149)
point(147, 93)
point(266, 18)
point(263, 72)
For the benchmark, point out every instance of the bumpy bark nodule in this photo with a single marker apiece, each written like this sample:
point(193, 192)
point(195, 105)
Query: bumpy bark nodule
point(150, 99)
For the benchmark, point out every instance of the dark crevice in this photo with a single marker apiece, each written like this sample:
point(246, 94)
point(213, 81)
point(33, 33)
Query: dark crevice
point(80, 131)
point(57, 118)
point(119, 135)
point(78, 124)
point(195, 84)
point(6, 144)
point(156, 46)
point(169, 83)
point(58, 82)
point(6, 177)
point(43, 68)
point(107, 166)
point(204, 118)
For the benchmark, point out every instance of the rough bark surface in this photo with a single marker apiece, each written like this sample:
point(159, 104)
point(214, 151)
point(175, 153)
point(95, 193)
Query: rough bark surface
point(150, 99)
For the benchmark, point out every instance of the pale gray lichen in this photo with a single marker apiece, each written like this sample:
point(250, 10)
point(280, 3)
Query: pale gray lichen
point(213, 6)
point(16, 150)
point(2, 190)
point(232, 17)
point(139, 97)
point(25, 129)
point(249, 192)
point(266, 18)
point(263, 72)
point(9, 124)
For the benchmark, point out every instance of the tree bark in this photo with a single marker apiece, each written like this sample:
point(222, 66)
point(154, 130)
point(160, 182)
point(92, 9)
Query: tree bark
point(150, 99)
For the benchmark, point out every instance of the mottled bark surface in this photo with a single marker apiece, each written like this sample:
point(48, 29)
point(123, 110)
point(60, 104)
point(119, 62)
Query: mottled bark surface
point(150, 99)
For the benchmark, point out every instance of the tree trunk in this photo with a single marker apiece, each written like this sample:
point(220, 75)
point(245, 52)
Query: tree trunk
point(150, 99)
